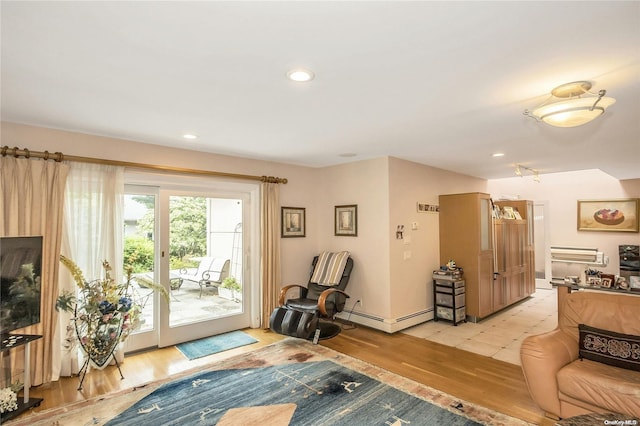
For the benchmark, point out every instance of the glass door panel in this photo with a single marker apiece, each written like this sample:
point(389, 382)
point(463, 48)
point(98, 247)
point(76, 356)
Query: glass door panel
point(541, 247)
point(189, 242)
point(140, 254)
point(205, 246)
point(203, 238)
point(485, 224)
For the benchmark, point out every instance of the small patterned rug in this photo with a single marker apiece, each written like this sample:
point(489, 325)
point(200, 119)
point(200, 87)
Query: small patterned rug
point(212, 345)
point(292, 382)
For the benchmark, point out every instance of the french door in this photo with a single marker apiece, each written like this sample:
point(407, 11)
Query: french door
point(542, 246)
point(189, 238)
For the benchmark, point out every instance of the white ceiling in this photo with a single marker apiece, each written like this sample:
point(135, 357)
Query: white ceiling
point(439, 83)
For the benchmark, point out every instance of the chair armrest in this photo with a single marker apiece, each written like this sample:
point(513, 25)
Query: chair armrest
point(542, 357)
point(285, 289)
point(206, 276)
point(323, 299)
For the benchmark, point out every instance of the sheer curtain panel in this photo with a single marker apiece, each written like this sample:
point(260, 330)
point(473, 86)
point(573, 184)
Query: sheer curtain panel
point(92, 233)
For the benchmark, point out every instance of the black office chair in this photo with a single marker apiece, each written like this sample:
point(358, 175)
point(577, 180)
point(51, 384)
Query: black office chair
point(301, 317)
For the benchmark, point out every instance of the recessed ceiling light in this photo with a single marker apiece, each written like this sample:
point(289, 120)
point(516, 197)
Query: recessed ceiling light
point(498, 154)
point(189, 136)
point(300, 75)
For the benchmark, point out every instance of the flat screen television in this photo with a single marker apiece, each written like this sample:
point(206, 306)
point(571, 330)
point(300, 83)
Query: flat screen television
point(20, 286)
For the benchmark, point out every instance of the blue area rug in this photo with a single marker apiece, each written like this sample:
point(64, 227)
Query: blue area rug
point(308, 393)
point(215, 344)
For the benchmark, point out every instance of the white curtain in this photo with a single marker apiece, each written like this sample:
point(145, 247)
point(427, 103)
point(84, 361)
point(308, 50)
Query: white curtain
point(31, 202)
point(270, 248)
point(92, 233)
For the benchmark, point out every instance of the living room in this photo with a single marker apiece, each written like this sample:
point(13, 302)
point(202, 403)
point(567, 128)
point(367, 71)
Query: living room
point(382, 297)
point(391, 278)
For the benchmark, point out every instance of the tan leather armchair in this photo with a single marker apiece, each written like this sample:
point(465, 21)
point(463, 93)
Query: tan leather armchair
point(564, 386)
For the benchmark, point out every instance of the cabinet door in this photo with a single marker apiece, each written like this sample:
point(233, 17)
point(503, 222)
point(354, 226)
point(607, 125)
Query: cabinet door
point(485, 284)
point(500, 246)
point(485, 224)
point(516, 250)
point(515, 286)
point(499, 292)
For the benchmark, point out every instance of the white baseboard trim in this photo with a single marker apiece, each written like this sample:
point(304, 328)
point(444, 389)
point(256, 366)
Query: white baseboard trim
point(388, 325)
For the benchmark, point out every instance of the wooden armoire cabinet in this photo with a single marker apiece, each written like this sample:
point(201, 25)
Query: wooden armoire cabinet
point(496, 254)
point(515, 245)
point(466, 237)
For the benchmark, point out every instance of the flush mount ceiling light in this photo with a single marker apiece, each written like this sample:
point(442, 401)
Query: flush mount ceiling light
point(189, 136)
point(300, 75)
point(576, 105)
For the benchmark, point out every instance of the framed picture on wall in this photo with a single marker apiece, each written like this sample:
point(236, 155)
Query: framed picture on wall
point(608, 215)
point(346, 220)
point(293, 222)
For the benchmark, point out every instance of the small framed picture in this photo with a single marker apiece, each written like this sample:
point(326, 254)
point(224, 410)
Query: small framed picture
point(293, 222)
point(608, 280)
point(594, 281)
point(346, 220)
point(427, 208)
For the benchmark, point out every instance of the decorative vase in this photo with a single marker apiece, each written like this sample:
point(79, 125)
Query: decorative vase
point(105, 313)
point(98, 333)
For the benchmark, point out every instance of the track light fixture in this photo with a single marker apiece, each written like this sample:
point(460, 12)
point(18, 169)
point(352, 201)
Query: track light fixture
point(534, 172)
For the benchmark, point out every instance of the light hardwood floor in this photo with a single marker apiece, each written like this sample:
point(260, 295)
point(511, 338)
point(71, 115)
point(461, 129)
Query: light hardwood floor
point(479, 379)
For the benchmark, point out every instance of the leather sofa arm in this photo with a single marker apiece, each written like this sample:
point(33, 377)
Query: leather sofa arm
point(542, 357)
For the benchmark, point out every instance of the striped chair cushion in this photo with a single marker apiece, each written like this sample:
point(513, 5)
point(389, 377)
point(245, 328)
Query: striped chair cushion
point(329, 268)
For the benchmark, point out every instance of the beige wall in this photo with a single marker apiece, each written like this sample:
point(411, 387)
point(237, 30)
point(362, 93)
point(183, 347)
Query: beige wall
point(394, 290)
point(409, 184)
point(41, 139)
point(365, 183)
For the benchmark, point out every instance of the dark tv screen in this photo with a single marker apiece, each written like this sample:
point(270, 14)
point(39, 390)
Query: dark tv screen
point(20, 286)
